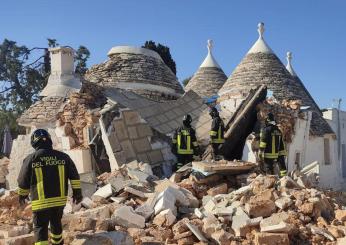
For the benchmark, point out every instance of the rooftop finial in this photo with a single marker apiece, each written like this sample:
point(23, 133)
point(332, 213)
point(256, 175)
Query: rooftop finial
point(289, 57)
point(260, 29)
point(210, 45)
point(289, 65)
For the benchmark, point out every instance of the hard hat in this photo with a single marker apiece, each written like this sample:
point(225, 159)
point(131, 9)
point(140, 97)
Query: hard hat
point(38, 136)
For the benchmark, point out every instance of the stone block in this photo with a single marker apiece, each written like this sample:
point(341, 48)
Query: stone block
point(223, 211)
point(283, 202)
point(166, 200)
point(102, 212)
point(104, 238)
point(155, 156)
point(282, 227)
point(120, 129)
point(27, 239)
point(128, 149)
point(126, 217)
point(274, 219)
point(14, 231)
point(82, 224)
point(134, 191)
point(138, 175)
point(145, 210)
point(194, 229)
point(340, 215)
point(144, 130)
point(131, 117)
point(240, 225)
point(105, 191)
point(142, 145)
point(81, 158)
point(210, 206)
point(219, 189)
point(222, 237)
point(259, 208)
point(87, 202)
point(165, 218)
point(132, 130)
point(271, 239)
point(142, 157)
point(210, 225)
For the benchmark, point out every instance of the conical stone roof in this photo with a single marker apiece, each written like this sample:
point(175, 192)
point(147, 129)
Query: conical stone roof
point(319, 126)
point(262, 66)
point(139, 70)
point(209, 78)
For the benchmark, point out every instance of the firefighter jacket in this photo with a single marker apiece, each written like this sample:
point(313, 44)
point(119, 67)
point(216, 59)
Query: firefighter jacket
point(271, 142)
point(45, 174)
point(217, 131)
point(184, 140)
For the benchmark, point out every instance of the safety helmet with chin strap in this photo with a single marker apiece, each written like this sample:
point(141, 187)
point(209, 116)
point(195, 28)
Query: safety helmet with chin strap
point(40, 136)
point(187, 120)
point(213, 112)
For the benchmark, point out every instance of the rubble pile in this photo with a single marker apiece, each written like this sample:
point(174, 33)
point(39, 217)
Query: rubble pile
point(79, 114)
point(133, 206)
point(285, 113)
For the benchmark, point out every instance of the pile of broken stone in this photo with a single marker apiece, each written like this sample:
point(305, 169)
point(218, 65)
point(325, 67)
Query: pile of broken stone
point(133, 206)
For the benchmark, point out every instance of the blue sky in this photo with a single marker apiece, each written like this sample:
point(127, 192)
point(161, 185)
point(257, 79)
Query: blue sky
point(314, 30)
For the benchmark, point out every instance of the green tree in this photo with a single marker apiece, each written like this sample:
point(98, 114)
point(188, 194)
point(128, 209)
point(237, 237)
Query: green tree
point(82, 56)
point(24, 73)
point(186, 81)
point(164, 52)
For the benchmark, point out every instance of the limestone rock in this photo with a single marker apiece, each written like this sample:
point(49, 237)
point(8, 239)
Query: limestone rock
point(126, 217)
point(165, 218)
point(258, 208)
point(271, 239)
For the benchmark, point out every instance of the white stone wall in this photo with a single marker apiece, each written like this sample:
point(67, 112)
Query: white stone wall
point(332, 118)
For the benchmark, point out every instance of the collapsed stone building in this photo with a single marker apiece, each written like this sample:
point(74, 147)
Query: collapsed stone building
point(127, 107)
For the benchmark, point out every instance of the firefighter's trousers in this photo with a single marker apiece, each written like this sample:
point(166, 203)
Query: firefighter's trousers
point(269, 165)
point(42, 219)
point(182, 160)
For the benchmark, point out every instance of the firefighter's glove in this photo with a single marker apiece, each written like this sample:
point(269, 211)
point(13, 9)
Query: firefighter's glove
point(77, 197)
point(22, 200)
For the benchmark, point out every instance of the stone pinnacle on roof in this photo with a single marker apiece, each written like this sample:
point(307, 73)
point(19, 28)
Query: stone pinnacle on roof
point(260, 45)
point(289, 65)
point(209, 61)
point(209, 78)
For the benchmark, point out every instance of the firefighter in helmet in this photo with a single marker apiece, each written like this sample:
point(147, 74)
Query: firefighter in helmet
point(184, 143)
point(272, 147)
point(216, 132)
point(44, 175)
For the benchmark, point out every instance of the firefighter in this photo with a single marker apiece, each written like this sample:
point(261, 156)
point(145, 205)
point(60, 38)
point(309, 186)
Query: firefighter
point(184, 143)
point(272, 148)
point(216, 132)
point(44, 175)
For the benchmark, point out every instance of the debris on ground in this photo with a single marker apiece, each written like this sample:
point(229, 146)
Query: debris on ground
point(133, 206)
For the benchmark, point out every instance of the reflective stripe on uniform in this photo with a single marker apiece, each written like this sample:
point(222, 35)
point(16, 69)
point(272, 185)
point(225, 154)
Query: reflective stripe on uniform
point(271, 155)
point(39, 179)
point(23, 192)
point(75, 184)
point(188, 150)
point(56, 239)
point(61, 169)
point(213, 133)
point(48, 203)
point(263, 144)
point(219, 138)
point(283, 173)
point(41, 243)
